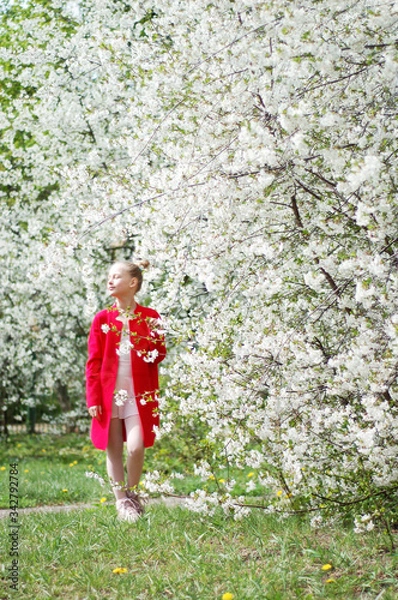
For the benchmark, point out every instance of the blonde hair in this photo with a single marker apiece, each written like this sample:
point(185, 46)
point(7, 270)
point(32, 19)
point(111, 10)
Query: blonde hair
point(134, 270)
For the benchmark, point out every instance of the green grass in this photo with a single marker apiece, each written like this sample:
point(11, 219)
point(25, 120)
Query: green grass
point(174, 554)
point(171, 553)
point(52, 469)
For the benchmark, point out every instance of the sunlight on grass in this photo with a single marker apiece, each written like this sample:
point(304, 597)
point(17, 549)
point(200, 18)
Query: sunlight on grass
point(171, 553)
point(52, 470)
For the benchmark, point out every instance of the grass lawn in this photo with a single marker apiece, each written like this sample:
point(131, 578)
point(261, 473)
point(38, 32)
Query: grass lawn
point(51, 469)
point(170, 553)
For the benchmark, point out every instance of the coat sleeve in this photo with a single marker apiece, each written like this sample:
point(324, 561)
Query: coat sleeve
point(94, 364)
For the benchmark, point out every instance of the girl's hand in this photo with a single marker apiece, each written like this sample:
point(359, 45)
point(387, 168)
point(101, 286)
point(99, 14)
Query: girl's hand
point(95, 411)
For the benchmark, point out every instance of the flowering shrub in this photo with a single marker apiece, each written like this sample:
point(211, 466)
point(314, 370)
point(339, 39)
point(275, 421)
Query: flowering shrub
point(248, 150)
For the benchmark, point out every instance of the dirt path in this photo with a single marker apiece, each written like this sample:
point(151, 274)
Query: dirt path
point(55, 508)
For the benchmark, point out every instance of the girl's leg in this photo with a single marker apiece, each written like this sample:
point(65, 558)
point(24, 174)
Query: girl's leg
point(135, 450)
point(114, 456)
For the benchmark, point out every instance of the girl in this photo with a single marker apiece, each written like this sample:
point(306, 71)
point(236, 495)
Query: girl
point(125, 346)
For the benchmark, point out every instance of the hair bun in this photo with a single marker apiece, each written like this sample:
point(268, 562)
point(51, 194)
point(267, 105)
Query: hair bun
point(143, 264)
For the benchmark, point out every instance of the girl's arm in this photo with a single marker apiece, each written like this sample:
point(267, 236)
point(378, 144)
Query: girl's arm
point(93, 366)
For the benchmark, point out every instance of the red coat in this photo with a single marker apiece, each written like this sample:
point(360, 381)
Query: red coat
point(102, 367)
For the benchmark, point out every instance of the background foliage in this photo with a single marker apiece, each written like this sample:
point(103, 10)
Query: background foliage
point(248, 149)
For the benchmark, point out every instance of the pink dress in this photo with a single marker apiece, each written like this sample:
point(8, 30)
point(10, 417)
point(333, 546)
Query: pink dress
point(124, 388)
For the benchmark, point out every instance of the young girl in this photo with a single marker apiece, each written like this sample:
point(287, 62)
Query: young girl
point(125, 345)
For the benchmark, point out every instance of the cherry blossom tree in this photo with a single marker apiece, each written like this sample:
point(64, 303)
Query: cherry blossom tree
point(248, 149)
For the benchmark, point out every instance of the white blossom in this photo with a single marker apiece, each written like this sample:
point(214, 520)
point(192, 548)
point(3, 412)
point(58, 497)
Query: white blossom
point(121, 397)
point(151, 356)
point(125, 347)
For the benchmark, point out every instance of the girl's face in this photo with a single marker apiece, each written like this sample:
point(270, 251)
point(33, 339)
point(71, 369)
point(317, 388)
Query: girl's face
point(120, 283)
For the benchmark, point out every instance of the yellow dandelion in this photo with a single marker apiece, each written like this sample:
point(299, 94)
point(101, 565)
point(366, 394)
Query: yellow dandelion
point(75, 462)
point(71, 464)
point(65, 490)
point(330, 580)
point(103, 499)
point(227, 596)
point(222, 481)
point(43, 450)
point(251, 474)
point(279, 493)
point(2, 468)
point(119, 570)
point(211, 476)
point(327, 567)
point(26, 470)
point(19, 445)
